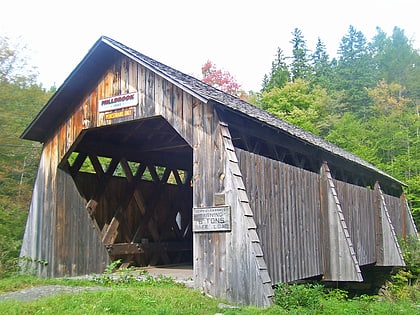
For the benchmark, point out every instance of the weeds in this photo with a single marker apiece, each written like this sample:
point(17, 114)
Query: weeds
point(405, 284)
point(296, 296)
point(114, 276)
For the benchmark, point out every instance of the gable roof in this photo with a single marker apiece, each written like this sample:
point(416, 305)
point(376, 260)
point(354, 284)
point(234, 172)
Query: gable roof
point(106, 51)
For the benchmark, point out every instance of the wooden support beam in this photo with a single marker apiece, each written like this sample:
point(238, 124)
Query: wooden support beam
point(96, 165)
point(177, 177)
point(77, 164)
point(111, 232)
point(124, 249)
point(103, 182)
point(388, 251)
point(140, 248)
point(340, 261)
point(166, 175)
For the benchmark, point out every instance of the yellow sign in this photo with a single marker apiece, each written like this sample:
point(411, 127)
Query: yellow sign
point(119, 114)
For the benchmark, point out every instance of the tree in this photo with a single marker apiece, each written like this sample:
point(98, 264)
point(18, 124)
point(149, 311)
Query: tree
point(355, 72)
point(14, 64)
point(352, 134)
point(219, 79)
point(20, 100)
point(398, 62)
point(298, 103)
point(300, 68)
point(322, 71)
point(279, 74)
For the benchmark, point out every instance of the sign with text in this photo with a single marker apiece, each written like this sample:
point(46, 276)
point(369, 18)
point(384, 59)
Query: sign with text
point(119, 114)
point(118, 102)
point(212, 219)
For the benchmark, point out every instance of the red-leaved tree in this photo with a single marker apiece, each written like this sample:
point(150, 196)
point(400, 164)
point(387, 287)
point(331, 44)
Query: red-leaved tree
point(219, 79)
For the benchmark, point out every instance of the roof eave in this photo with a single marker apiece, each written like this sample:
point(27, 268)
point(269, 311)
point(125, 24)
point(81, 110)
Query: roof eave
point(327, 147)
point(35, 131)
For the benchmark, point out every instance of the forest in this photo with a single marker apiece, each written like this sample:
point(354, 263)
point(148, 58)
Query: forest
point(366, 100)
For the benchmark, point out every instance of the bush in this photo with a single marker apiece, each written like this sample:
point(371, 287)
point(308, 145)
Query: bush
point(410, 247)
point(12, 225)
point(299, 295)
point(405, 284)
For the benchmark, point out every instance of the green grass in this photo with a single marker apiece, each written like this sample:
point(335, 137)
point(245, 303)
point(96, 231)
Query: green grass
point(134, 297)
point(119, 300)
point(163, 296)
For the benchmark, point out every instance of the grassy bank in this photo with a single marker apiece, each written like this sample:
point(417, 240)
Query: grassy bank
point(163, 296)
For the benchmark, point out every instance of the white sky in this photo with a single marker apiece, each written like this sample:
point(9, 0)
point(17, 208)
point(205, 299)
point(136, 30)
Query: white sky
point(239, 36)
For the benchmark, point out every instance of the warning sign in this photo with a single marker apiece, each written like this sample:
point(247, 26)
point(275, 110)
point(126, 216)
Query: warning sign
point(212, 219)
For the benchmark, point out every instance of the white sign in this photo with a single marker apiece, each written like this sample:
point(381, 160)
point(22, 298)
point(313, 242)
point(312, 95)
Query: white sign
point(118, 102)
point(211, 219)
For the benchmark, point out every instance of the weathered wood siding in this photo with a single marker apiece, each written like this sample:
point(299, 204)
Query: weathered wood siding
point(228, 264)
point(78, 248)
point(359, 211)
point(400, 215)
point(58, 223)
point(58, 230)
point(37, 238)
point(395, 212)
point(225, 263)
point(157, 96)
point(285, 201)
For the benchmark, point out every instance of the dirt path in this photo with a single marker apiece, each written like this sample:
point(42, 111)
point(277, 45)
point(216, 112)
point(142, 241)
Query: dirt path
point(34, 293)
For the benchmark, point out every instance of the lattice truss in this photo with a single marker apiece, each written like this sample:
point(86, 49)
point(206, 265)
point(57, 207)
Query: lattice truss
point(141, 211)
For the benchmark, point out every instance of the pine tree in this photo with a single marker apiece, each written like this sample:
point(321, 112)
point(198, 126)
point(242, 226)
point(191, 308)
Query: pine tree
point(300, 68)
point(355, 73)
point(279, 74)
point(322, 70)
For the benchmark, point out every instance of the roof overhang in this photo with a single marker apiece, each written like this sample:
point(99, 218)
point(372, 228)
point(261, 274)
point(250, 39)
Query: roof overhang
point(64, 101)
point(306, 145)
point(81, 81)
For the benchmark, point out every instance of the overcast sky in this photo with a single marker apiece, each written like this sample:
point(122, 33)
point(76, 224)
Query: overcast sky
point(239, 36)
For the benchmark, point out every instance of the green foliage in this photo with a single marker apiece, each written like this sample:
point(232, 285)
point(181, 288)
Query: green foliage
point(300, 67)
point(12, 224)
point(405, 284)
point(413, 195)
point(410, 247)
point(296, 296)
point(20, 101)
point(398, 288)
point(115, 276)
point(321, 66)
point(315, 299)
point(14, 63)
point(366, 101)
point(279, 73)
point(147, 296)
point(355, 72)
point(134, 299)
point(298, 103)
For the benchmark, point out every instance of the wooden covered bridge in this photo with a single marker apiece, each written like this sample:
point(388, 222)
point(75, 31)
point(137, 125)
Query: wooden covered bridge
point(146, 164)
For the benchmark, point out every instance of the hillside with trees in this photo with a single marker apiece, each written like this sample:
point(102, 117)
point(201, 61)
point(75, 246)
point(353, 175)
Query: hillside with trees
point(20, 100)
point(366, 100)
